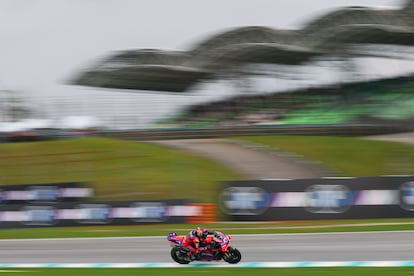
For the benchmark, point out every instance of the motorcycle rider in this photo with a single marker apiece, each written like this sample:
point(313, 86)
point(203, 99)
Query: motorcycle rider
point(192, 247)
point(193, 240)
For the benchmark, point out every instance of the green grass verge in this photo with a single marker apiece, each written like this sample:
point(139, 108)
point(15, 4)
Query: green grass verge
point(344, 156)
point(116, 169)
point(227, 227)
point(336, 271)
point(127, 170)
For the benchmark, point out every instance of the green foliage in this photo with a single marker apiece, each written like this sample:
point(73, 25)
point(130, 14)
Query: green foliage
point(388, 99)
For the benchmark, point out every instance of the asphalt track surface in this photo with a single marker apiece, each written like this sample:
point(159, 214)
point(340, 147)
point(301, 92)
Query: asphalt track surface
point(361, 246)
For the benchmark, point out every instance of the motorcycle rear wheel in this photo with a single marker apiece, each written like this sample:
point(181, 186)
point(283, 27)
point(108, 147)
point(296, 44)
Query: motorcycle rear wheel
point(232, 255)
point(179, 256)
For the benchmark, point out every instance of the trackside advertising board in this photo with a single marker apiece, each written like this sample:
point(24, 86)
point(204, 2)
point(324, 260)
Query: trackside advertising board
point(323, 198)
point(96, 213)
point(44, 193)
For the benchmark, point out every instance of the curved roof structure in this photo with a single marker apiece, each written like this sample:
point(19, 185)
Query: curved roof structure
point(250, 34)
point(145, 69)
point(150, 69)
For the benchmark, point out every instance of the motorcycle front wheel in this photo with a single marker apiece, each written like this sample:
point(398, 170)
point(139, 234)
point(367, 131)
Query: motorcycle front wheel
point(232, 255)
point(179, 255)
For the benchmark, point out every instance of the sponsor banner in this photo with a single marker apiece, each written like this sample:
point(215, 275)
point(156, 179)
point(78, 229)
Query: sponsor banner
point(44, 193)
point(38, 215)
point(95, 213)
point(324, 198)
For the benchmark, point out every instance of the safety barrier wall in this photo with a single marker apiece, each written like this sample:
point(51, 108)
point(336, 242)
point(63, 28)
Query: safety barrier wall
point(324, 198)
point(40, 193)
point(183, 133)
point(96, 213)
point(206, 213)
point(68, 204)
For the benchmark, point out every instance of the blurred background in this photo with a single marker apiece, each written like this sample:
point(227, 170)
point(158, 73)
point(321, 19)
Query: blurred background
point(143, 81)
point(62, 60)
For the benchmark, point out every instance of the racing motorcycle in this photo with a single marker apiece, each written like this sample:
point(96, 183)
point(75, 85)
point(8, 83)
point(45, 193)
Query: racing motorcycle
point(216, 248)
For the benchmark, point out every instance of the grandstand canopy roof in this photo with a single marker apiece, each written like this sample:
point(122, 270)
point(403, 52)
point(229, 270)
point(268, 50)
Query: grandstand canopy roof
point(149, 69)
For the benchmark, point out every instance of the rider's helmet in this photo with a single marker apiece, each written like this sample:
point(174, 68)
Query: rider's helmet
point(201, 233)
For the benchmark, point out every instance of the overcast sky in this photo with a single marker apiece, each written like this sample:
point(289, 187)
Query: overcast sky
point(46, 42)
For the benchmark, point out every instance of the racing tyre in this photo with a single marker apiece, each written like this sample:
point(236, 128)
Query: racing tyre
point(232, 255)
point(179, 255)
